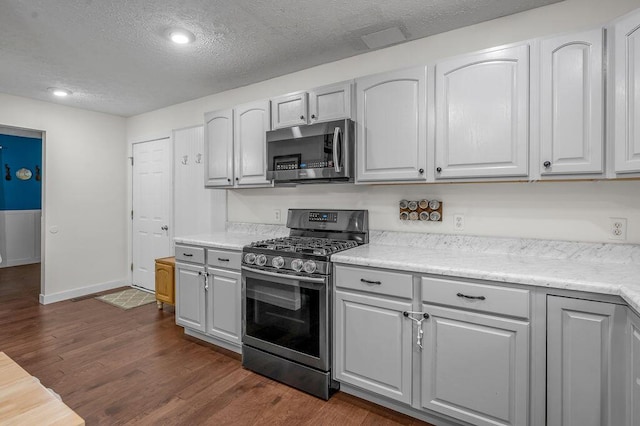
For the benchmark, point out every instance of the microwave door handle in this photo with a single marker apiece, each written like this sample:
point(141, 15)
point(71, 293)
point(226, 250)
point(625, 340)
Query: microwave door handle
point(336, 140)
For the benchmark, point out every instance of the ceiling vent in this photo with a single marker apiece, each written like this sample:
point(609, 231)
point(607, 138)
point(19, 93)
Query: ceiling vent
point(384, 38)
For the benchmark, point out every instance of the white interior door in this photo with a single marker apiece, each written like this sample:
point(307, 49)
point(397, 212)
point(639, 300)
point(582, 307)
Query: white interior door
point(151, 209)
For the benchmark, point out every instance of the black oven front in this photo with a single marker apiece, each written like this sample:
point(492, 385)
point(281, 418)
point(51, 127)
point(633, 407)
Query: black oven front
point(287, 316)
point(286, 328)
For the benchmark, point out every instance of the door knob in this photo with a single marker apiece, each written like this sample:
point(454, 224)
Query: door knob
point(165, 227)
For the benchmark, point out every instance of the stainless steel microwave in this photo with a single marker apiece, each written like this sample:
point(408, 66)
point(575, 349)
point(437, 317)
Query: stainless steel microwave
point(317, 153)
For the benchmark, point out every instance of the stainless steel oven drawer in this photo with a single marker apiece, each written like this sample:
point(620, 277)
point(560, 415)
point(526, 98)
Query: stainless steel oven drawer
point(189, 254)
point(224, 258)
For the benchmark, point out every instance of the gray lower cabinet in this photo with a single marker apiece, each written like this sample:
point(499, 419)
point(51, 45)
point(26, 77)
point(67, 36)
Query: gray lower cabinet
point(224, 302)
point(190, 296)
point(586, 363)
point(633, 376)
point(373, 344)
point(208, 294)
point(475, 367)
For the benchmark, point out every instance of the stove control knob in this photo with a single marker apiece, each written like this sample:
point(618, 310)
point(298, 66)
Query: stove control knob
point(296, 264)
point(261, 260)
point(277, 262)
point(309, 266)
point(250, 258)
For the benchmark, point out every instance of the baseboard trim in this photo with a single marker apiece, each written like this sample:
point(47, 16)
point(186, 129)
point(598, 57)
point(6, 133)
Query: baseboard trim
point(19, 262)
point(46, 299)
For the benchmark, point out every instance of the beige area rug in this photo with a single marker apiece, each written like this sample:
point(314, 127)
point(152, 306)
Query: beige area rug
point(128, 299)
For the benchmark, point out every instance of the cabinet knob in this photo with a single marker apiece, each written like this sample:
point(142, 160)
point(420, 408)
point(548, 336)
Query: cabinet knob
point(438, 169)
point(237, 179)
point(546, 164)
point(421, 171)
point(313, 116)
point(228, 180)
point(302, 117)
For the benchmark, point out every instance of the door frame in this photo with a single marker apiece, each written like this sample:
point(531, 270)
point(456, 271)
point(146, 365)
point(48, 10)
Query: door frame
point(26, 132)
point(171, 194)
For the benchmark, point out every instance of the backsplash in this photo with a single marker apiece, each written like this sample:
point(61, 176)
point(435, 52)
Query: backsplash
point(568, 211)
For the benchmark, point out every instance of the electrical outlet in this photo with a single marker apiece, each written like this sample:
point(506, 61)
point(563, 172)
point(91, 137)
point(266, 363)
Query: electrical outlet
point(458, 222)
point(617, 228)
point(276, 215)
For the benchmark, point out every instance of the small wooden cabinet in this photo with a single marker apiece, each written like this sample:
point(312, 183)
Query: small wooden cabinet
point(165, 281)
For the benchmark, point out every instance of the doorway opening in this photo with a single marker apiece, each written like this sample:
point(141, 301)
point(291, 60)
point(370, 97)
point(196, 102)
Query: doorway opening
point(21, 211)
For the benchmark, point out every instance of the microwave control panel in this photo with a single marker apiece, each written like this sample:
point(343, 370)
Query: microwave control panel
point(325, 217)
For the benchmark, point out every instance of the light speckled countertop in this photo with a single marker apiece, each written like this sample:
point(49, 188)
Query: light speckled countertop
point(236, 236)
point(598, 268)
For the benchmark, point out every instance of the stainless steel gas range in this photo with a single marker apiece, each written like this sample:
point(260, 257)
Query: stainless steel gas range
point(286, 297)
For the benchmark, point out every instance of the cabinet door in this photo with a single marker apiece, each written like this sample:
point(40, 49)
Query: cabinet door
point(626, 76)
point(251, 122)
point(165, 283)
point(391, 136)
point(373, 344)
point(218, 148)
point(190, 296)
point(475, 367)
point(330, 103)
point(583, 368)
point(224, 303)
point(571, 104)
point(482, 114)
point(289, 110)
point(634, 370)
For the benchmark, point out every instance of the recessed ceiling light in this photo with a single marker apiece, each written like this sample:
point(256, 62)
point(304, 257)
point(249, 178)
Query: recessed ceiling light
point(181, 36)
point(59, 92)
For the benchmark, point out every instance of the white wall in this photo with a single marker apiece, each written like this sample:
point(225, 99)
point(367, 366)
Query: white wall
point(85, 195)
point(490, 209)
point(19, 237)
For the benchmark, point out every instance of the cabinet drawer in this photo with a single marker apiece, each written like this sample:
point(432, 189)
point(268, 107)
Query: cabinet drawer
point(224, 258)
point(487, 298)
point(375, 281)
point(189, 254)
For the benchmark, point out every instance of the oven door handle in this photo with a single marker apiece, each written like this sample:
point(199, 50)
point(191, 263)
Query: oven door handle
point(274, 274)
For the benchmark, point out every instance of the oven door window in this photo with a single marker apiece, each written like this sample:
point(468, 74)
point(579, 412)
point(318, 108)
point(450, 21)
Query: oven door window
point(286, 315)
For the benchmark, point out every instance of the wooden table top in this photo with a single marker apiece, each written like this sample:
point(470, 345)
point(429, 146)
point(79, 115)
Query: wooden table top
point(24, 401)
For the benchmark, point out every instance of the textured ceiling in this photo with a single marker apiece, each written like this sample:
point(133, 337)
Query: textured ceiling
point(113, 54)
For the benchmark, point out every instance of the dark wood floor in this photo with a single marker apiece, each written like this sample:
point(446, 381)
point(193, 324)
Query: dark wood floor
point(137, 367)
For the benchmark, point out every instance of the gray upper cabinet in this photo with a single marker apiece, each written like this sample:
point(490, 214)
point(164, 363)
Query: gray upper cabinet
point(289, 110)
point(327, 103)
point(251, 122)
point(218, 148)
point(482, 114)
point(586, 368)
point(235, 146)
point(572, 104)
point(625, 49)
point(391, 126)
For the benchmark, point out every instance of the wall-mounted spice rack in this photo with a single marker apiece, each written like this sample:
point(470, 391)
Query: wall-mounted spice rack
point(421, 210)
